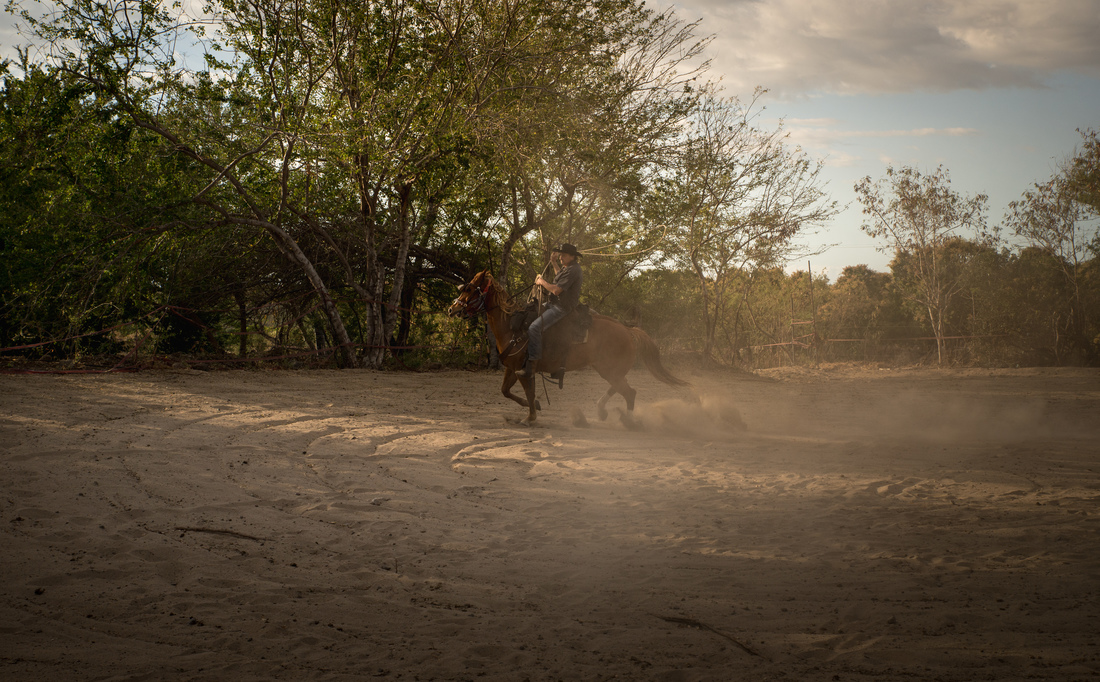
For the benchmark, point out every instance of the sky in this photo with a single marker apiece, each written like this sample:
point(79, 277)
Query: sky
point(993, 90)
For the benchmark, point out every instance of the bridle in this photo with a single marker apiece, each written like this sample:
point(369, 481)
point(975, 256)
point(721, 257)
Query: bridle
point(472, 307)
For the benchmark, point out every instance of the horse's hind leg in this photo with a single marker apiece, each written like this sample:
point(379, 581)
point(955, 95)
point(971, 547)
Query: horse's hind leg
point(622, 388)
point(601, 406)
point(629, 393)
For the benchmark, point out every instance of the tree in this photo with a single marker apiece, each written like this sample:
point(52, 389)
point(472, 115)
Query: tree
point(1059, 217)
point(578, 152)
point(735, 198)
point(859, 304)
point(917, 215)
point(92, 209)
point(347, 133)
point(1082, 173)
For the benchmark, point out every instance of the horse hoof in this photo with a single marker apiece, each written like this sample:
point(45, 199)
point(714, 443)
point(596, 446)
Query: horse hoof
point(538, 406)
point(578, 417)
point(627, 418)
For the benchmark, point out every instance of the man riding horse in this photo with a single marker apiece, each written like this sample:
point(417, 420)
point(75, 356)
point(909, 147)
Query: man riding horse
point(610, 347)
point(565, 292)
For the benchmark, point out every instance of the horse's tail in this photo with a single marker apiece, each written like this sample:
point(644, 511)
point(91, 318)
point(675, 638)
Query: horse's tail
point(651, 356)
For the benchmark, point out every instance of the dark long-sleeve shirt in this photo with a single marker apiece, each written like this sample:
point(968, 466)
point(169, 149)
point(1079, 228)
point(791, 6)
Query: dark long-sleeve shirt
point(569, 279)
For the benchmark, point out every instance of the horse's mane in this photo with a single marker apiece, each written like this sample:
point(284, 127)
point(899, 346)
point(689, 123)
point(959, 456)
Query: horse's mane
point(504, 300)
point(508, 304)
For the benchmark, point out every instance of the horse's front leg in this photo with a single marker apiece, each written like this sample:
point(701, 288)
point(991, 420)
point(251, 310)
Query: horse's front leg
point(510, 380)
point(528, 384)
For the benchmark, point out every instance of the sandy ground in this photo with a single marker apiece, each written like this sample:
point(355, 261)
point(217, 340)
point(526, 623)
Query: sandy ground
point(864, 525)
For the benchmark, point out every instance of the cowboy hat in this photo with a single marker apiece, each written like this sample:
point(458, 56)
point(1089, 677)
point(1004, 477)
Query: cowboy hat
point(567, 248)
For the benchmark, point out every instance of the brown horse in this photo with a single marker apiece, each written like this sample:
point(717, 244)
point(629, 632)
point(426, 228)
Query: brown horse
point(610, 348)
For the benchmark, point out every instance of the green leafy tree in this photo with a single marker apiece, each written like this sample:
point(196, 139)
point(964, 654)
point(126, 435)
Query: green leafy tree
point(1061, 217)
point(664, 302)
point(578, 152)
point(1082, 174)
point(347, 134)
point(736, 197)
point(1042, 308)
point(859, 307)
point(90, 205)
point(917, 215)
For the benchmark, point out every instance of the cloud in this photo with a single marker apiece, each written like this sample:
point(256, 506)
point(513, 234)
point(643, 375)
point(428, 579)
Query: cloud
point(837, 159)
point(854, 46)
point(812, 122)
point(916, 132)
point(822, 133)
point(827, 124)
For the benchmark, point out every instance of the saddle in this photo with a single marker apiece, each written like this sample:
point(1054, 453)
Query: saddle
point(571, 329)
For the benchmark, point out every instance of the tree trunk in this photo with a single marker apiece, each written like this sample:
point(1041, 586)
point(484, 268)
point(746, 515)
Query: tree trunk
point(243, 316)
point(937, 331)
point(405, 312)
point(319, 338)
point(375, 351)
point(346, 354)
point(400, 262)
point(289, 246)
point(708, 320)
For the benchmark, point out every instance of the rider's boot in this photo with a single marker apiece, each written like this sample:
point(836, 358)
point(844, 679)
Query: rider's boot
point(528, 369)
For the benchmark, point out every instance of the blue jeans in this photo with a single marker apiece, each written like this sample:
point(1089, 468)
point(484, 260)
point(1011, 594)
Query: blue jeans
point(549, 317)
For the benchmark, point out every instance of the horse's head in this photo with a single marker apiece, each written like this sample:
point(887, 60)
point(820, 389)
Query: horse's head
point(473, 297)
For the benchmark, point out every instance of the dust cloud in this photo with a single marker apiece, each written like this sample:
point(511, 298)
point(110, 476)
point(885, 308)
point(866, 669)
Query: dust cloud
point(707, 417)
point(914, 414)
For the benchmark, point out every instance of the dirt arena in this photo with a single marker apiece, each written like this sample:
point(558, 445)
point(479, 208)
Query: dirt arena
point(842, 523)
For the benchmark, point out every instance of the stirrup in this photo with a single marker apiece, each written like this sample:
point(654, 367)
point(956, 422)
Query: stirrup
point(559, 376)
